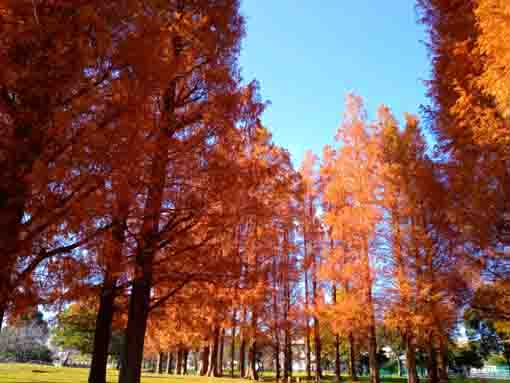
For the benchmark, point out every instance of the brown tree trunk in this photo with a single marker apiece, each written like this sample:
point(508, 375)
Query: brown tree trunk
point(287, 361)
point(412, 374)
point(169, 362)
point(277, 359)
point(317, 344)
point(372, 356)
point(308, 347)
point(252, 361)
point(178, 367)
point(432, 363)
point(442, 361)
point(213, 356)
point(161, 357)
point(242, 348)
point(138, 312)
point(316, 326)
point(337, 339)
point(221, 354)
point(352, 358)
point(102, 333)
point(233, 344)
point(205, 361)
point(184, 362)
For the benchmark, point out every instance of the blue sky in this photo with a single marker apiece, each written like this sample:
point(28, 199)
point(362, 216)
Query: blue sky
point(307, 55)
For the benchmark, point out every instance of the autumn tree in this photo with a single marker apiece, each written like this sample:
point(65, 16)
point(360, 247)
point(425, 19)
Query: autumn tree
point(353, 194)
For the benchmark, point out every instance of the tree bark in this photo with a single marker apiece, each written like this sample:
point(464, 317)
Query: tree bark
point(443, 361)
point(242, 348)
point(316, 326)
point(233, 344)
point(178, 367)
point(102, 333)
point(352, 358)
point(138, 312)
point(213, 356)
point(205, 361)
point(169, 362)
point(432, 363)
point(308, 347)
point(161, 357)
point(252, 361)
point(221, 354)
point(184, 362)
point(412, 374)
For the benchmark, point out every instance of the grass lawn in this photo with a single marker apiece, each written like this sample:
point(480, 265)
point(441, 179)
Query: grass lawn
point(33, 373)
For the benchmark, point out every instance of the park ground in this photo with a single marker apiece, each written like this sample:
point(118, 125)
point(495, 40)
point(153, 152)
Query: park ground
point(33, 373)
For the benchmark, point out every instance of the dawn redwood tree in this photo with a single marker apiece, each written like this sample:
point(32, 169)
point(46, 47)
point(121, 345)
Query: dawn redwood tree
point(469, 116)
point(196, 110)
point(56, 104)
point(353, 195)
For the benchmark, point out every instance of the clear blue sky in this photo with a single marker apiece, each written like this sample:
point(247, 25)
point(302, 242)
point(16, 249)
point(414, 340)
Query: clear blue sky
point(307, 55)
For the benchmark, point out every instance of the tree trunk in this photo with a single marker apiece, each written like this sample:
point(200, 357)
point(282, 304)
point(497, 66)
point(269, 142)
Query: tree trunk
point(277, 358)
point(352, 359)
point(337, 337)
point(169, 361)
point(102, 333)
point(308, 347)
point(139, 302)
point(159, 363)
point(432, 363)
point(178, 366)
point(213, 356)
point(372, 356)
point(2, 313)
point(316, 326)
point(233, 345)
point(412, 374)
point(287, 362)
point(242, 349)
point(205, 361)
point(222, 350)
point(252, 361)
point(442, 361)
point(184, 362)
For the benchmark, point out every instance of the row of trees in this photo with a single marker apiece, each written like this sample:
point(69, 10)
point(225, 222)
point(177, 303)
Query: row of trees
point(139, 181)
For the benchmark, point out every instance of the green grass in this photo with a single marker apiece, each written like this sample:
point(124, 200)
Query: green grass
point(33, 373)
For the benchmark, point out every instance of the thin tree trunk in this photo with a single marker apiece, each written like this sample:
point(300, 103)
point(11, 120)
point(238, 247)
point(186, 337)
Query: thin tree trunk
point(242, 349)
point(287, 372)
point(169, 361)
point(443, 360)
point(317, 344)
point(184, 362)
point(205, 361)
point(252, 361)
point(233, 344)
point(221, 354)
point(432, 363)
point(213, 356)
point(308, 348)
point(352, 358)
point(412, 374)
point(2, 313)
point(161, 357)
point(102, 333)
point(178, 367)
